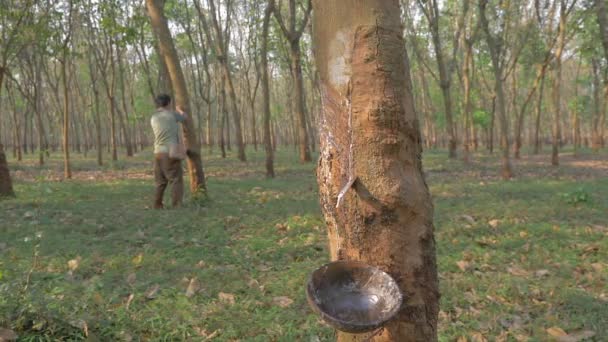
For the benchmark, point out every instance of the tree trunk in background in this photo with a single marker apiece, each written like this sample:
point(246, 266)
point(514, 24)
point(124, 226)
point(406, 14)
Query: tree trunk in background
point(222, 116)
point(466, 82)
point(445, 82)
point(539, 111)
point(67, 169)
point(372, 189)
point(293, 34)
point(596, 142)
point(495, 54)
point(557, 80)
point(266, 91)
point(600, 6)
point(602, 20)
point(165, 42)
point(6, 185)
point(299, 104)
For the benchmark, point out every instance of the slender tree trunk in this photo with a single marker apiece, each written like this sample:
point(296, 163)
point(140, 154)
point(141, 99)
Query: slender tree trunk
point(372, 189)
point(557, 80)
point(496, 55)
point(67, 170)
point(598, 104)
point(466, 81)
point(300, 104)
point(266, 91)
point(37, 110)
point(539, 110)
point(222, 116)
point(165, 42)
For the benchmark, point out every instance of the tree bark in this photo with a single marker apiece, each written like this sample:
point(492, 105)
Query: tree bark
point(6, 184)
point(372, 189)
point(266, 91)
point(539, 111)
point(557, 80)
point(165, 42)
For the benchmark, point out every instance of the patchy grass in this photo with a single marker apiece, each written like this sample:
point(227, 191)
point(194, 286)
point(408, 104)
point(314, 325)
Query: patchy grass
point(88, 256)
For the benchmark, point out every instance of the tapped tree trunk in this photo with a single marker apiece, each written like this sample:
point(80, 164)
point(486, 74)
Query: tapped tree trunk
point(169, 54)
point(372, 189)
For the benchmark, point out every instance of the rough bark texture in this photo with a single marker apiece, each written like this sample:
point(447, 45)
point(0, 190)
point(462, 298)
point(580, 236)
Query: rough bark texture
point(372, 189)
point(165, 42)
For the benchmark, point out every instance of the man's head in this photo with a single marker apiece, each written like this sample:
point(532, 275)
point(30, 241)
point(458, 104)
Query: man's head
point(162, 100)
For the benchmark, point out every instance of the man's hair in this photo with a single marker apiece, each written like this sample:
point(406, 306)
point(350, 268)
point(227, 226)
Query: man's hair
point(162, 100)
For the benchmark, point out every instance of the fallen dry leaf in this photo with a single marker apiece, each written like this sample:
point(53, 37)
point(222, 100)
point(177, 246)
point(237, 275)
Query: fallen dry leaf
point(282, 301)
point(517, 271)
point(468, 218)
point(478, 337)
point(462, 339)
point(131, 278)
point(138, 259)
point(597, 267)
point(152, 291)
point(201, 264)
point(494, 223)
point(193, 287)
point(74, 263)
point(556, 332)
point(129, 300)
point(227, 298)
point(463, 265)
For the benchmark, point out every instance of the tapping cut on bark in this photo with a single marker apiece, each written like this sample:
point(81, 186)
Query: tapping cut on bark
point(370, 157)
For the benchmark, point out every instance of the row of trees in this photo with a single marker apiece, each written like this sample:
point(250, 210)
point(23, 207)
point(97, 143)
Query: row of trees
point(80, 75)
point(518, 68)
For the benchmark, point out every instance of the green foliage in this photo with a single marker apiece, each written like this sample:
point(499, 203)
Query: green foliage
point(481, 118)
point(575, 197)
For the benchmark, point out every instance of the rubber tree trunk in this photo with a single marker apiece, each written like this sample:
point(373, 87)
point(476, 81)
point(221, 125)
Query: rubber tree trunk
point(67, 168)
point(557, 80)
point(539, 111)
point(444, 77)
point(266, 91)
point(372, 189)
point(6, 185)
point(496, 54)
point(165, 43)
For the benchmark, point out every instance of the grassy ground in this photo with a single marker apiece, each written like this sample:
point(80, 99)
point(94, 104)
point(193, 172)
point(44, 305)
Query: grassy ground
point(518, 260)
